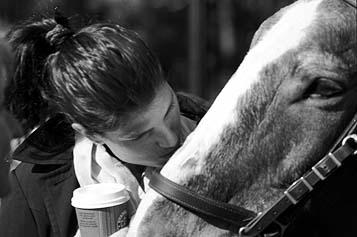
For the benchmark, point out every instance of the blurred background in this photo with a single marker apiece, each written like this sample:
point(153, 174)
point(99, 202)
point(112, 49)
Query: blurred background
point(200, 42)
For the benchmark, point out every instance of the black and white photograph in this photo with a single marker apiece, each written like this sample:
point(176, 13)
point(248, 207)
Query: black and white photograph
point(178, 118)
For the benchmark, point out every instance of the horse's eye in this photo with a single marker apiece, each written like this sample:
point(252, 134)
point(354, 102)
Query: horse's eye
point(324, 88)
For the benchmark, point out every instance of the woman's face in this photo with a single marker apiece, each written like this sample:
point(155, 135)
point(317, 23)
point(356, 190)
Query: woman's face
point(151, 135)
point(9, 128)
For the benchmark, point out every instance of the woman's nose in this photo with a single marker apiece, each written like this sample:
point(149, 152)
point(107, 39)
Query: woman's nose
point(168, 138)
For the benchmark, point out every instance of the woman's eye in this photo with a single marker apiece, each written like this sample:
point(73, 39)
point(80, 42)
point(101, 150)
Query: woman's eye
point(324, 88)
point(140, 136)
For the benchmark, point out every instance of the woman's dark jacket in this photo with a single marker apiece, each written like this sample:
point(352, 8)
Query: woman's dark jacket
point(39, 204)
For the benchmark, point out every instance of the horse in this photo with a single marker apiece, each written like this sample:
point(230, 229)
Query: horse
point(289, 100)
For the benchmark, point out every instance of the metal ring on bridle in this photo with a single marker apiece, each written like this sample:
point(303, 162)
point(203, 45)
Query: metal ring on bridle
point(352, 136)
point(241, 231)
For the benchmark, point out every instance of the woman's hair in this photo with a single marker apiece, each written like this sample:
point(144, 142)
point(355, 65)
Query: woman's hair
point(6, 62)
point(96, 75)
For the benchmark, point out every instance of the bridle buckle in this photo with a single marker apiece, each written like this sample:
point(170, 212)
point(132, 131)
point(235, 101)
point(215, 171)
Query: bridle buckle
point(277, 231)
point(354, 138)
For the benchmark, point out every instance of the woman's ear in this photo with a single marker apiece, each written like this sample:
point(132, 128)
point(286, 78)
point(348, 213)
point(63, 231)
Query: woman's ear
point(83, 131)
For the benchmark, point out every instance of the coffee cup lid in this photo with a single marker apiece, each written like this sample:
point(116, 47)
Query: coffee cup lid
point(99, 196)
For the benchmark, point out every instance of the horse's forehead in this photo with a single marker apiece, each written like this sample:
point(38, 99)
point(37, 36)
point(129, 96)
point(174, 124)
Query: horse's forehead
point(335, 29)
point(289, 31)
point(286, 30)
point(303, 18)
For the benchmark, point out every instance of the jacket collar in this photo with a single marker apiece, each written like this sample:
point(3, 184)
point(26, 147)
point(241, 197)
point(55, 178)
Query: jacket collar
point(50, 144)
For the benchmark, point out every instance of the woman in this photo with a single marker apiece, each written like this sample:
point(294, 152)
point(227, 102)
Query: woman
point(111, 89)
point(8, 125)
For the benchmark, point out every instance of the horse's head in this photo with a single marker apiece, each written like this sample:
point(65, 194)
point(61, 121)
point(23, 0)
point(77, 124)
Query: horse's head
point(289, 100)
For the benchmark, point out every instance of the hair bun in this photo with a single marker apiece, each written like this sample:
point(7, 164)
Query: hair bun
point(60, 32)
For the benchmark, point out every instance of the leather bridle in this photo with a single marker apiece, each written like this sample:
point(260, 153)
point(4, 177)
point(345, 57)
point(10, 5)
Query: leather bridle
point(247, 223)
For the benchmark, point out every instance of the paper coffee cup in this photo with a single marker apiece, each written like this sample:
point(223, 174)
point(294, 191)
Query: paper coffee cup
point(102, 209)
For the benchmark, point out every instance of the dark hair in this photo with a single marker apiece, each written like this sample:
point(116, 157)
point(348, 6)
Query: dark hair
point(6, 58)
point(95, 75)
